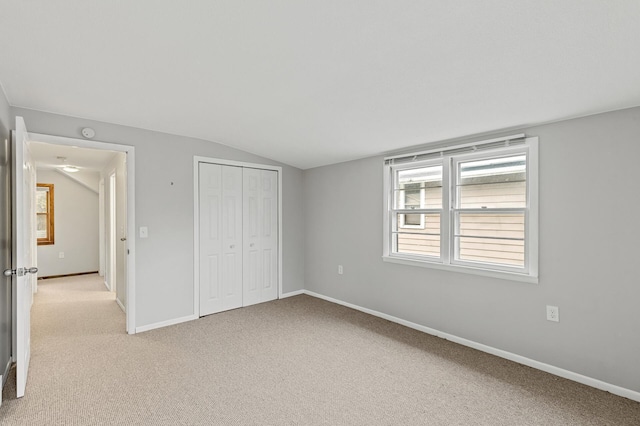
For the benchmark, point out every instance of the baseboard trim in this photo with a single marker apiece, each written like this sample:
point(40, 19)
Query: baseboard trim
point(165, 323)
point(557, 371)
point(106, 285)
point(121, 305)
point(291, 294)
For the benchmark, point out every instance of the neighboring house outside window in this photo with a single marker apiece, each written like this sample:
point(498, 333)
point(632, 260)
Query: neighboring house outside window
point(44, 214)
point(471, 208)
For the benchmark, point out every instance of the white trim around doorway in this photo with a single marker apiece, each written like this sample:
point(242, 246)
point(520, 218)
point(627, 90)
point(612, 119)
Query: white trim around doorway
point(129, 150)
point(196, 222)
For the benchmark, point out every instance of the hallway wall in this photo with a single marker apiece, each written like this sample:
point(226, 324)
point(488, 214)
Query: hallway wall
point(76, 228)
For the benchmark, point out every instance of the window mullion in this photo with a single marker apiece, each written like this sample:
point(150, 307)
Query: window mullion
point(445, 217)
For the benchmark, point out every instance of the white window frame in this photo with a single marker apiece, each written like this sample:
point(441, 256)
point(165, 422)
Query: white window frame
point(449, 157)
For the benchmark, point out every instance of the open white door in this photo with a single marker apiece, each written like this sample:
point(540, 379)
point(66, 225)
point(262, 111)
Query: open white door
point(23, 267)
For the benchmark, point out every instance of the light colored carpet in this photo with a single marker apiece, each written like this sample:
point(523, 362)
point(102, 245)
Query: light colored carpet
point(297, 361)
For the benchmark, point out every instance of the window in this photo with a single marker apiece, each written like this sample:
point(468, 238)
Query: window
point(44, 214)
point(470, 208)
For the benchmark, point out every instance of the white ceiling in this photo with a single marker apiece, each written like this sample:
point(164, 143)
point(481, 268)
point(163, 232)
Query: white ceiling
point(317, 82)
point(46, 156)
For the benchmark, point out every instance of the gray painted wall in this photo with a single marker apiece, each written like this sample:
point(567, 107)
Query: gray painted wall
point(5, 234)
point(76, 227)
point(164, 261)
point(88, 178)
point(589, 230)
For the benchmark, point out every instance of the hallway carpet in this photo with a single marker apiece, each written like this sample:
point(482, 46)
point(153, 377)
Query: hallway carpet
point(296, 361)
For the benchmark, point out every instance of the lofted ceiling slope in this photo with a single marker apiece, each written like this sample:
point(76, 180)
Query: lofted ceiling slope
point(317, 82)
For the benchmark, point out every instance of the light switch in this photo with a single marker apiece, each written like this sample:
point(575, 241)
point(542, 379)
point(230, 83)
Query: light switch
point(144, 232)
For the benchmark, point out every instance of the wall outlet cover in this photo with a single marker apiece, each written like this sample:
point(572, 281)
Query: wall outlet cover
point(553, 313)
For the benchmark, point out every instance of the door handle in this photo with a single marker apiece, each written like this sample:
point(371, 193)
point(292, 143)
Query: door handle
point(123, 239)
point(20, 271)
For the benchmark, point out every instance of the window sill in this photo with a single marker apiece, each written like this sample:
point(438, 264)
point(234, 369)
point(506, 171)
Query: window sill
point(464, 269)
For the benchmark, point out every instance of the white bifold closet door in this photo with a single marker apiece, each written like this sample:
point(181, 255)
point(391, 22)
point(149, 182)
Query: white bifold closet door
point(238, 237)
point(260, 234)
point(220, 238)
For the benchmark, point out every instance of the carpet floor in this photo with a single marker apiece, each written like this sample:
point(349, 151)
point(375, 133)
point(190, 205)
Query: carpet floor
point(296, 361)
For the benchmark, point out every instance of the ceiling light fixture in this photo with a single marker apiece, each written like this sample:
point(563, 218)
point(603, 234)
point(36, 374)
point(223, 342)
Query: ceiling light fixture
point(70, 169)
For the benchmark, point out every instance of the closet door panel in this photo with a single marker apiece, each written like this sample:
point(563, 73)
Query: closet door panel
point(260, 236)
point(220, 237)
point(269, 234)
point(252, 270)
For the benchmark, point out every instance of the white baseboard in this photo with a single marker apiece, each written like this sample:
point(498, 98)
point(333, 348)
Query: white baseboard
point(106, 285)
point(291, 294)
point(166, 323)
point(576, 377)
point(121, 305)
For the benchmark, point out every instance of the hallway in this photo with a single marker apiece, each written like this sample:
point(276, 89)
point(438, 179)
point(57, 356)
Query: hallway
point(77, 319)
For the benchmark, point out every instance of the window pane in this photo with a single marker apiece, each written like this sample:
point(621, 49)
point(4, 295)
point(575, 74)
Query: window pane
point(413, 219)
point(426, 198)
point(505, 244)
point(411, 193)
point(493, 183)
point(422, 239)
point(418, 188)
point(502, 252)
point(44, 213)
point(432, 174)
point(493, 195)
point(41, 200)
point(41, 227)
point(495, 225)
point(425, 223)
point(416, 243)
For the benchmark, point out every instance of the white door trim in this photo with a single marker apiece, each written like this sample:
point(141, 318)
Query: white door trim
point(196, 220)
point(113, 235)
point(131, 217)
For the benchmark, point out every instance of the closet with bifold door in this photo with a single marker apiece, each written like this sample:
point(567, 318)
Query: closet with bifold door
point(238, 236)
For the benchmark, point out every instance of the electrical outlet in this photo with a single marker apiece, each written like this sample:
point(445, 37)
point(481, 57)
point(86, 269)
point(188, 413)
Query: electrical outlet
point(553, 313)
point(144, 232)
point(61, 255)
point(340, 270)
